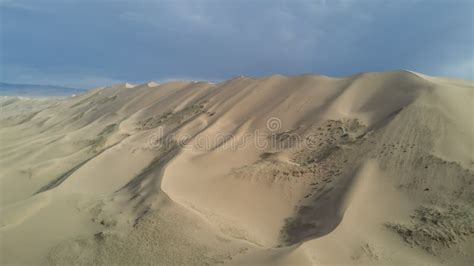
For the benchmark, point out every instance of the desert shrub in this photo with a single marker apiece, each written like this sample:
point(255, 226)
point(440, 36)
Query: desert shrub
point(432, 228)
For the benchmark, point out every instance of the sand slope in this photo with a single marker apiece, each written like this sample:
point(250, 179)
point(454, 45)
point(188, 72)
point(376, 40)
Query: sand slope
point(375, 168)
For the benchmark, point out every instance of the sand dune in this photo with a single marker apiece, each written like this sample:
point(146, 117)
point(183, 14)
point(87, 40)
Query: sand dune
point(374, 168)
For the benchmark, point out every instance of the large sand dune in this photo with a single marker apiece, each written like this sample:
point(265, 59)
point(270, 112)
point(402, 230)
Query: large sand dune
point(375, 168)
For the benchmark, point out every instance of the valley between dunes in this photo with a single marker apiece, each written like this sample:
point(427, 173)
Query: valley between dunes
point(375, 168)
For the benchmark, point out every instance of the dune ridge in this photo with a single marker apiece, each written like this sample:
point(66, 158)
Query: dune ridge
point(175, 173)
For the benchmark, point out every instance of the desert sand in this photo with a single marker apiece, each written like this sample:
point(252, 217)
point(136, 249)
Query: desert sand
point(375, 168)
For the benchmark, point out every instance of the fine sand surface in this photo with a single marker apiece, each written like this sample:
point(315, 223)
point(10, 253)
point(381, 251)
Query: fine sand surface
point(374, 168)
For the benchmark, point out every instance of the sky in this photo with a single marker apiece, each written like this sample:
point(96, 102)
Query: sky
point(90, 43)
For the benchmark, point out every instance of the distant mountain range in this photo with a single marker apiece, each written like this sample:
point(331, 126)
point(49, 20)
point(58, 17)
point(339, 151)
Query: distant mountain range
point(33, 90)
